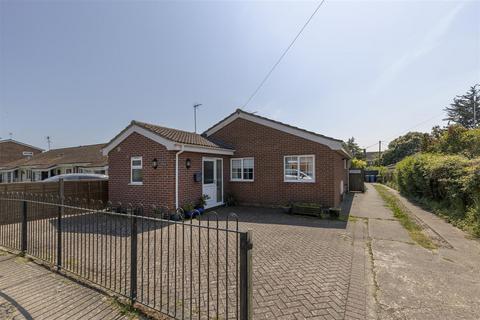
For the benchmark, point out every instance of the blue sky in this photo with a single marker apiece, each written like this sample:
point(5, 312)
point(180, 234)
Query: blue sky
point(81, 71)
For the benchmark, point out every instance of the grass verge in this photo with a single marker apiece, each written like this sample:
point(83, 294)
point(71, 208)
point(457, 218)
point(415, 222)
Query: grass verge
point(400, 212)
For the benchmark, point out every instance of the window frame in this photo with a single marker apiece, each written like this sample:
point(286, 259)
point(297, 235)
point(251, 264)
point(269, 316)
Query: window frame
point(241, 170)
point(136, 167)
point(313, 180)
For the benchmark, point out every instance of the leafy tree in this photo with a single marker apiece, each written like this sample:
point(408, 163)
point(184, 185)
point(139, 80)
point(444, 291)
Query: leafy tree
point(461, 111)
point(457, 139)
point(404, 146)
point(354, 149)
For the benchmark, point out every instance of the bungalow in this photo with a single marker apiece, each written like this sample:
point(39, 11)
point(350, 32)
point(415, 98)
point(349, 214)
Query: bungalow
point(81, 159)
point(257, 160)
point(12, 150)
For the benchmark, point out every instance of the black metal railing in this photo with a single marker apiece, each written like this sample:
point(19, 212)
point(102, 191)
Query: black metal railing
point(188, 269)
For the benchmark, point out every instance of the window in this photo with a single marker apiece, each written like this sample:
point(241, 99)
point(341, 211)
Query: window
point(27, 153)
point(299, 168)
point(136, 170)
point(68, 171)
point(241, 169)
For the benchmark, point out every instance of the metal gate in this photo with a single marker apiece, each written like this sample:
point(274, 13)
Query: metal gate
point(196, 269)
point(356, 180)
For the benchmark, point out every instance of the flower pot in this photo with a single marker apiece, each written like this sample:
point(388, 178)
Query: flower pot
point(334, 213)
point(192, 214)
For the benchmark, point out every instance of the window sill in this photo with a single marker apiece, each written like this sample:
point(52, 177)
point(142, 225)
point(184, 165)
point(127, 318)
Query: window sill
point(299, 181)
point(135, 184)
point(241, 180)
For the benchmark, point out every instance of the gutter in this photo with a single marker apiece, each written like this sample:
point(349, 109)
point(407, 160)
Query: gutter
point(176, 175)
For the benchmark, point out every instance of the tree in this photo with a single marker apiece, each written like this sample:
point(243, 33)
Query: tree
point(404, 146)
point(354, 149)
point(461, 111)
point(456, 139)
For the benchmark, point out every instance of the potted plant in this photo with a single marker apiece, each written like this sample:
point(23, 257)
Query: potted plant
point(334, 212)
point(287, 208)
point(189, 211)
point(230, 200)
point(176, 216)
point(200, 207)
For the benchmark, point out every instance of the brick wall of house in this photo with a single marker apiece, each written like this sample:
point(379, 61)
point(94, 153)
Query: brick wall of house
point(11, 151)
point(340, 177)
point(158, 184)
point(268, 146)
point(189, 190)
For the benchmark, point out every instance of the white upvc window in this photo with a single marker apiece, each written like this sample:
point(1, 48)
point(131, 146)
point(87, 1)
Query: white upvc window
point(299, 168)
point(241, 169)
point(136, 170)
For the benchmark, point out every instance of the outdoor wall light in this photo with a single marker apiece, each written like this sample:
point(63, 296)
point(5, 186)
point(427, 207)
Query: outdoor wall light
point(188, 163)
point(155, 163)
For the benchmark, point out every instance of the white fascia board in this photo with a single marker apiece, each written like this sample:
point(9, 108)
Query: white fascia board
point(332, 144)
point(144, 132)
point(200, 149)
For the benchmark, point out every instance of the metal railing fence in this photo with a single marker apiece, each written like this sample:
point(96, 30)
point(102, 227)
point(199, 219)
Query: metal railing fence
point(196, 269)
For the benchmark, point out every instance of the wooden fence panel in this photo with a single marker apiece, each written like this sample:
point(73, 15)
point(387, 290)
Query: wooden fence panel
point(85, 189)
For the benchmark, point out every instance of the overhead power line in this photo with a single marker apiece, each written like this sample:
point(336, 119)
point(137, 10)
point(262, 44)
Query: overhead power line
point(407, 130)
point(283, 55)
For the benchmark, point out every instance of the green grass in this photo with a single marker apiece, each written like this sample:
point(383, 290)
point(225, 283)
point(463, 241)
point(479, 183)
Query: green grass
point(401, 213)
point(125, 309)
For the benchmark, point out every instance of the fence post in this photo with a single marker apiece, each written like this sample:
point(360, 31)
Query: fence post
point(133, 257)
point(246, 246)
point(59, 224)
point(24, 227)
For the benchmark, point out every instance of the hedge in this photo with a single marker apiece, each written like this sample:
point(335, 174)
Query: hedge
point(448, 184)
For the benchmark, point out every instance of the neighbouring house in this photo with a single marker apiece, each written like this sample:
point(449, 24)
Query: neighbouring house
point(371, 157)
point(258, 160)
point(12, 150)
point(82, 159)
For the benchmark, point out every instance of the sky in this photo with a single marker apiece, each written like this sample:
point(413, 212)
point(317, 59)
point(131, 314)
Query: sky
point(80, 71)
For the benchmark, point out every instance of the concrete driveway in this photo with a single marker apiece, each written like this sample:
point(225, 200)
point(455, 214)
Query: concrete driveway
point(304, 267)
point(411, 282)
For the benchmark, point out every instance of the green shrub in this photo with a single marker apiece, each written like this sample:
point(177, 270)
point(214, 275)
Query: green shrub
point(458, 140)
point(447, 184)
point(358, 163)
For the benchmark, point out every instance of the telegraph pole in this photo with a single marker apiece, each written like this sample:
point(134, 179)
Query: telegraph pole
point(48, 142)
point(379, 151)
point(195, 107)
point(474, 110)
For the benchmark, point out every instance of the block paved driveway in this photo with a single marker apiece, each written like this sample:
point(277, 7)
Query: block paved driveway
point(304, 267)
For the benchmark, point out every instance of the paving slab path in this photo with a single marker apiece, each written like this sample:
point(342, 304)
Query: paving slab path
point(411, 282)
point(30, 291)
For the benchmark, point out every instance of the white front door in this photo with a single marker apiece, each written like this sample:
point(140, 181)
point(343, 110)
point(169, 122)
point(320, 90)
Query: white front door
point(213, 181)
